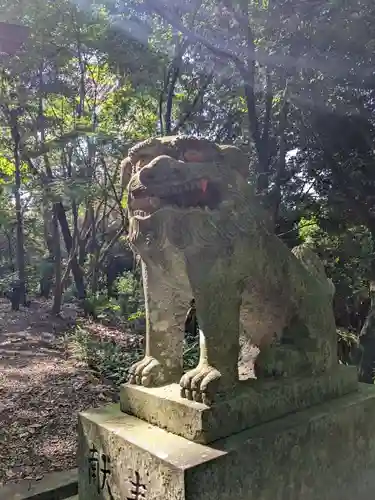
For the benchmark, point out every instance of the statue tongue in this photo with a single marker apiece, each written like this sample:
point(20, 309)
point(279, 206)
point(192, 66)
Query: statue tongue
point(203, 184)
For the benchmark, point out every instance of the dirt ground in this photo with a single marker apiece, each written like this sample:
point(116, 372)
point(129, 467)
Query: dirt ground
point(41, 391)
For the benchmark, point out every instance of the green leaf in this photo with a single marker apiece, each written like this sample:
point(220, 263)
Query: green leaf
point(6, 166)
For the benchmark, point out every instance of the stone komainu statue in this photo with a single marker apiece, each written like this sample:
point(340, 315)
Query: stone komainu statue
point(201, 232)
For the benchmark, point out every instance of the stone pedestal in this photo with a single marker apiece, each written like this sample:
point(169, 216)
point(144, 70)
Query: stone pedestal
point(252, 403)
point(324, 452)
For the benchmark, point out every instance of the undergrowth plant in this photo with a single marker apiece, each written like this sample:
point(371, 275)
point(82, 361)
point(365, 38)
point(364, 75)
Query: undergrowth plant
point(105, 358)
point(112, 360)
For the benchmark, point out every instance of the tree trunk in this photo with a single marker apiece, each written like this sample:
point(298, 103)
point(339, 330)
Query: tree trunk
point(47, 226)
point(95, 273)
point(367, 339)
point(57, 298)
point(60, 214)
point(10, 250)
point(94, 250)
point(20, 253)
point(76, 269)
point(366, 363)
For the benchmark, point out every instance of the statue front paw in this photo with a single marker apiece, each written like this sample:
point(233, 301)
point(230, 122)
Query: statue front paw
point(200, 384)
point(148, 372)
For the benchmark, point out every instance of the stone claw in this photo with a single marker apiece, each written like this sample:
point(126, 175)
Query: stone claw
point(147, 372)
point(200, 384)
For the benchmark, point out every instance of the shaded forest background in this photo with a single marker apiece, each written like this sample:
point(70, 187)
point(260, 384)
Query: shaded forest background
point(290, 82)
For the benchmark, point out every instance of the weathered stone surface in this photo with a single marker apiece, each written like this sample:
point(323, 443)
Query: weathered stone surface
point(324, 453)
point(135, 447)
point(253, 402)
point(201, 232)
point(53, 486)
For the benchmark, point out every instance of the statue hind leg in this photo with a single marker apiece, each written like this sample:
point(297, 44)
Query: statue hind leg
point(303, 349)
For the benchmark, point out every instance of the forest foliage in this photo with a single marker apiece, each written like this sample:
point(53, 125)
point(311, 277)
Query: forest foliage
point(290, 82)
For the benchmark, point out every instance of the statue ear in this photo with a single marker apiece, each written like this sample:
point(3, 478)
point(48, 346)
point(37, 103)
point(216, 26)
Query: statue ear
point(126, 170)
point(233, 157)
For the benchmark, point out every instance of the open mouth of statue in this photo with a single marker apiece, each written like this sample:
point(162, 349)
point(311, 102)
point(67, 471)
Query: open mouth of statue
point(201, 193)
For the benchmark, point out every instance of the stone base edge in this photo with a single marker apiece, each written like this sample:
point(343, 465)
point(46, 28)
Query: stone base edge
point(254, 402)
point(326, 452)
point(54, 486)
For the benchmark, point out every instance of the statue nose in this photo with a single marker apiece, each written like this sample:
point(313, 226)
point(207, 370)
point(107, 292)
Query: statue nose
point(159, 170)
point(147, 175)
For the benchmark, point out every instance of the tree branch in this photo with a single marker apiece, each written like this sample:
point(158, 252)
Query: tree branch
point(268, 110)
point(195, 102)
point(173, 75)
point(193, 36)
point(281, 164)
